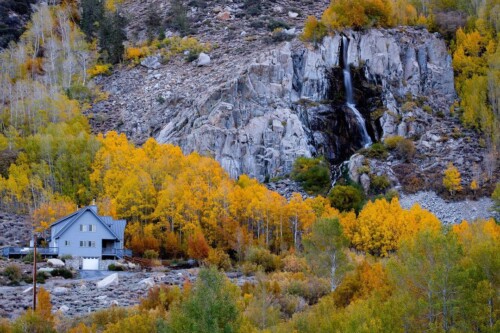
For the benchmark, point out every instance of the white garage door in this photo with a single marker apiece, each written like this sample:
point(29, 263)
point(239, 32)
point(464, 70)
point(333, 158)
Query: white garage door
point(90, 264)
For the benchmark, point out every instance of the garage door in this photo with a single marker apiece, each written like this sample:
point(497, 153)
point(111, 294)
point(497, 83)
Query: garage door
point(90, 264)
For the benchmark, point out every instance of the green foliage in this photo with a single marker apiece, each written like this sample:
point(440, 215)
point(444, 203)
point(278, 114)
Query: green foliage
point(13, 273)
point(405, 150)
point(113, 267)
point(380, 183)
point(151, 254)
point(28, 258)
point(496, 198)
point(177, 18)
point(64, 272)
point(210, 307)
point(275, 24)
point(347, 197)
point(377, 150)
point(312, 173)
point(391, 142)
point(111, 37)
point(41, 277)
point(264, 258)
point(324, 248)
point(92, 15)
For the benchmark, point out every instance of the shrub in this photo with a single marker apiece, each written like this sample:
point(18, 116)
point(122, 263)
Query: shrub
point(391, 142)
point(113, 267)
point(294, 264)
point(279, 35)
point(358, 14)
point(135, 53)
point(263, 257)
point(41, 277)
point(377, 150)
point(314, 30)
point(64, 272)
point(79, 92)
point(346, 198)
point(150, 254)
point(219, 259)
point(66, 257)
point(405, 150)
point(379, 183)
point(249, 268)
point(160, 297)
point(99, 69)
point(13, 273)
point(275, 24)
point(312, 173)
point(29, 258)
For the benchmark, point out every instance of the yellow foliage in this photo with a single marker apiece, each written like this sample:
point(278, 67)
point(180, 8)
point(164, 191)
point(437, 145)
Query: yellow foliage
point(314, 30)
point(99, 69)
point(451, 180)
point(44, 307)
point(135, 53)
point(381, 226)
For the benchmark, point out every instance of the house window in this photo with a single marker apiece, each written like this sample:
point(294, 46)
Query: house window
point(92, 227)
point(83, 227)
point(67, 243)
point(87, 243)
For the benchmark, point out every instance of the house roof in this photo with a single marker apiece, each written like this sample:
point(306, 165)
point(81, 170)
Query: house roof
point(76, 215)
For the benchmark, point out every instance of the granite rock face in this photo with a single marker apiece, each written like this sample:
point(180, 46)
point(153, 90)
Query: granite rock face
point(256, 115)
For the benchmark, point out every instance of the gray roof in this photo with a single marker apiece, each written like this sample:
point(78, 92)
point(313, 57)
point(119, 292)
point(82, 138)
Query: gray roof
point(112, 225)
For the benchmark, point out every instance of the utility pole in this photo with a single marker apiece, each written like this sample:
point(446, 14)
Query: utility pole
point(34, 271)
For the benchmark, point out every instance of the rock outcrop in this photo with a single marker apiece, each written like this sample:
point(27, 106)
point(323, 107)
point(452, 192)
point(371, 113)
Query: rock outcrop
point(262, 114)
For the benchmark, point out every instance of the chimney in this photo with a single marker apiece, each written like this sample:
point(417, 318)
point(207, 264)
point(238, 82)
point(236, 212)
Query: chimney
point(93, 207)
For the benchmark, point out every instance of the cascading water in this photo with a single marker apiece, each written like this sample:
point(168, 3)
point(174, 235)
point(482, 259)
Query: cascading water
point(367, 141)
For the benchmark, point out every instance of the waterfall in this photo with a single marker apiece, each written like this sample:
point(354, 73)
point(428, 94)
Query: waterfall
point(367, 141)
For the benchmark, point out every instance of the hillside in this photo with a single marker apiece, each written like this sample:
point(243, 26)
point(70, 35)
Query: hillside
point(281, 166)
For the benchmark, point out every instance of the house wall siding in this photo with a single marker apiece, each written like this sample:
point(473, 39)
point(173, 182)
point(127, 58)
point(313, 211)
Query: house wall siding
point(74, 236)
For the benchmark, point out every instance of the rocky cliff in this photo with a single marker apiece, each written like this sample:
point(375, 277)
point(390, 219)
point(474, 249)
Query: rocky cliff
point(256, 113)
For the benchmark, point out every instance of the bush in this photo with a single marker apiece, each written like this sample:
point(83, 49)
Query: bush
point(275, 24)
point(116, 268)
point(41, 277)
point(361, 14)
point(103, 69)
point(391, 142)
point(377, 150)
point(29, 258)
point(219, 259)
point(405, 150)
point(64, 272)
point(160, 297)
point(263, 257)
point(279, 35)
point(346, 198)
point(314, 30)
point(249, 268)
point(379, 183)
point(294, 264)
point(13, 273)
point(150, 254)
point(312, 173)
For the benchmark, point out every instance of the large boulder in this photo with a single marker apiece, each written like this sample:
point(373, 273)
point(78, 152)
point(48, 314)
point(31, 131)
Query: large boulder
point(108, 281)
point(60, 291)
point(203, 59)
point(151, 62)
point(54, 262)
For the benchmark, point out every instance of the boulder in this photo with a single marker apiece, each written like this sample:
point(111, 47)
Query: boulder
point(147, 283)
point(151, 62)
point(364, 179)
point(60, 291)
point(224, 16)
point(45, 269)
point(55, 262)
point(203, 59)
point(64, 308)
point(108, 281)
point(25, 291)
point(293, 14)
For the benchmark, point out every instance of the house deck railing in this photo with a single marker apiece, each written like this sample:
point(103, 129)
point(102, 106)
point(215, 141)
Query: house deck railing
point(120, 253)
point(21, 251)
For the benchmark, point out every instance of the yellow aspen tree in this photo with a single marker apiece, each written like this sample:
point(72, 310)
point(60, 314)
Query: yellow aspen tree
point(452, 179)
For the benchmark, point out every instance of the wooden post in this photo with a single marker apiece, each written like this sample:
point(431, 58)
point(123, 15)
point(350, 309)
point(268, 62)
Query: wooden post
point(34, 272)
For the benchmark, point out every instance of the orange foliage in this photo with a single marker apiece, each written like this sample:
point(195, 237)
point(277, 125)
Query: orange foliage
point(198, 247)
point(363, 282)
point(49, 212)
point(44, 307)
